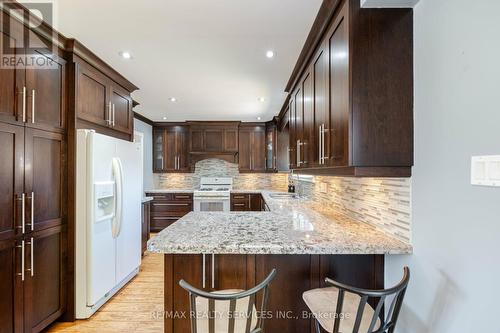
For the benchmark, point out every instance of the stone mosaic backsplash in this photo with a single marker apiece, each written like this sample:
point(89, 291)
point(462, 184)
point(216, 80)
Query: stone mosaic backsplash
point(219, 168)
point(384, 203)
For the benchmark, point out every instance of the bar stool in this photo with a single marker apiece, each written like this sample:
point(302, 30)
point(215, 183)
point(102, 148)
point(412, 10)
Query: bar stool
point(227, 311)
point(343, 308)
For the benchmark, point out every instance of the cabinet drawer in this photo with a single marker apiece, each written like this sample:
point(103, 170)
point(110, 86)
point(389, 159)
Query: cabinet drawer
point(171, 206)
point(239, 206)
point(240, 197)
point(171, 196)
point(158, 223)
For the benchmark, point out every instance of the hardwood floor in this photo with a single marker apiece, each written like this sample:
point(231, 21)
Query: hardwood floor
point(133, 309)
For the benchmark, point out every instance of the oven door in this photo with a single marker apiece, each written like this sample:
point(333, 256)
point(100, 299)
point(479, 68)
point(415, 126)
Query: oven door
point(211, 205)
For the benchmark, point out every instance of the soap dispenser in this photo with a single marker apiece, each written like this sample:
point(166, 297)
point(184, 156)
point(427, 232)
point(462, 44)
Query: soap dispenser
point(291, 184)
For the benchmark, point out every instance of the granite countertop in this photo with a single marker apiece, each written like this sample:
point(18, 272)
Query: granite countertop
point(292, 226)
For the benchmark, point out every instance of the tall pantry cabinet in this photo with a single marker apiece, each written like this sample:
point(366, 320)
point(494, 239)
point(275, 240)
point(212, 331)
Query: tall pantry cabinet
point(32, 183)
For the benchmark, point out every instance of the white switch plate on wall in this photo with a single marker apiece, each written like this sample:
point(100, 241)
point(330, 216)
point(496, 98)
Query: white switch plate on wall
point(485, 170)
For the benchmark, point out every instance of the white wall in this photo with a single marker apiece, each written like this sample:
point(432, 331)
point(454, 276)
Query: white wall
point(456, 226)
point(147, 130)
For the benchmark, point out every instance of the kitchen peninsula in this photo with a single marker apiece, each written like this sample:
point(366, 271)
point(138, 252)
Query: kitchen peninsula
point(236, 250)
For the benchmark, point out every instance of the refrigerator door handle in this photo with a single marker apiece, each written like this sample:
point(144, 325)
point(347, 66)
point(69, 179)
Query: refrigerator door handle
point(118, 175)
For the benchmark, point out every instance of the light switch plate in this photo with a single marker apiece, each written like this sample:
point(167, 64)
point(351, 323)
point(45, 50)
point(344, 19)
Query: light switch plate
point(485, 170)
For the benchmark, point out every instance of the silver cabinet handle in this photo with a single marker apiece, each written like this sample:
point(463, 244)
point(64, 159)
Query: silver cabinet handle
point(33, 106)
point(113, 109)
point(275, 164)
point(204, 279)
point(162, 164)
point(32, 224)
point(22, 260)
point(320, 144)
point(24, 104)
point(298, 153)
point(108, 118)
point(23, 213)
point(32, 267)
point(213, 271)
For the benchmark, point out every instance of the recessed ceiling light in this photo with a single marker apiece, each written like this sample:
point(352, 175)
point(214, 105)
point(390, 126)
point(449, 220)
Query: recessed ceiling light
point(164, 118)
point(270, 54)
point(125, 55)
point(172, 99)
point(259, 118)
point(262, 99)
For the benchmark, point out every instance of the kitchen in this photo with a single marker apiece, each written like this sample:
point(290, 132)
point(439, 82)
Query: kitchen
point(305, 175)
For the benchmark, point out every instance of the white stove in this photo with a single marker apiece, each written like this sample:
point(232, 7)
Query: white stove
point(214, 195)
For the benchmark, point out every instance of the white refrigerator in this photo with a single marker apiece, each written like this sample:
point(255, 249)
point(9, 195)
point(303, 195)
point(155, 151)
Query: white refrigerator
point(108, 218)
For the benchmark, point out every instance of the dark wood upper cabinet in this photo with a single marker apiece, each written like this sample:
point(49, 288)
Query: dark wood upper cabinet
point(45, 101)
point(121, 109)
point(214, 140)
point(252, 149)
point(92, 96)
point(102, 97)
point(351, 105)
point(170, 149)
point(231, 140)
point(12, 80)
point(33, 95)
point(197, 139)
point(271, 147)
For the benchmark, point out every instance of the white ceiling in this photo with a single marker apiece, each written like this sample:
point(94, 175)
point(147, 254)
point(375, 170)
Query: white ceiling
point(208, 54)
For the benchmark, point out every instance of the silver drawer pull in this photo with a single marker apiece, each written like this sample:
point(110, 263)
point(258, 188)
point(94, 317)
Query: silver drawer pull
point(239, 197)
point(166, 218)
point(238, 204)
point(182, 197)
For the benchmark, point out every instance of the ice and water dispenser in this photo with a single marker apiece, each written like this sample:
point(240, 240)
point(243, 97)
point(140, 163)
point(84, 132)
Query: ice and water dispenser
point(105, 201)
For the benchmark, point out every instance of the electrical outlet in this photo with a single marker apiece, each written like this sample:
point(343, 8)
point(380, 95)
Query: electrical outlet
point(323, 187)
point(485, 170)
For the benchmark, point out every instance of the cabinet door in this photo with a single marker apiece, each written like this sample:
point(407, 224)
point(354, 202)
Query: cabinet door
point(44, 292)
point(170, 150)
point(258, 148)
point(45, 92)
point(231, 140)
point(190, 268)
point(12, 78)
point(244, 152)
point(321, 115)
point(158, 150)
point(294, 275)
point(92, 99)
point(145, 227)
point(229, 271)
point(309, 147)
point(299, 125)
point(44, 182)
point(11, 179)
point(11, 306)
point(197, 139)
point(271, 148)
point(338, 44)
point(182, 150)
point(292, 138)
point(214, 140)
point(256, 202)
point(121, 108)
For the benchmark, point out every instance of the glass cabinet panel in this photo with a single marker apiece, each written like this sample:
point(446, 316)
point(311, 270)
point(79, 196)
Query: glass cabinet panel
point(158, 150)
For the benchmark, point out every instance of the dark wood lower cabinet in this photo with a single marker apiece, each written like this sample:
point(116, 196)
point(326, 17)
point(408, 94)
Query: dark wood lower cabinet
point(166, 208)
point(44, 291)
point(286, 310)
point(247, 202)
point(146, 225)
point(11, 302)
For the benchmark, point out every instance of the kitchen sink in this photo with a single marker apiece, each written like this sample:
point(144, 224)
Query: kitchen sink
point(284, 196)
